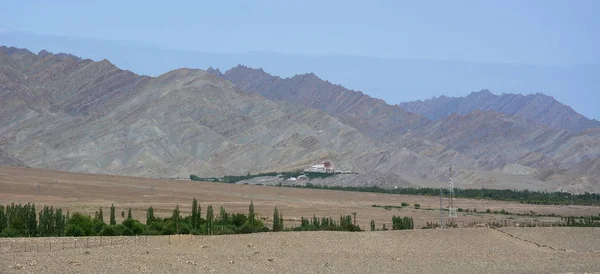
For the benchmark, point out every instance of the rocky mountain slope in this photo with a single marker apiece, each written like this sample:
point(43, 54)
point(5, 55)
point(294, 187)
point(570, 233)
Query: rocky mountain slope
point(80, 115)
point(373, 117)
point(7, 160)
point(485, 145)
point(59, 111)
point(538, 108)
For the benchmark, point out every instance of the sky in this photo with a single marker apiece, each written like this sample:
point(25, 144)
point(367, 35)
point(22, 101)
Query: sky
point(545, 33)
point(531, 32)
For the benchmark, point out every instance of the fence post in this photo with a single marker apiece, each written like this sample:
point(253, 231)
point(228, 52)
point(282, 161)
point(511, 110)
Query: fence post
point(50, 245)
point(25, 245)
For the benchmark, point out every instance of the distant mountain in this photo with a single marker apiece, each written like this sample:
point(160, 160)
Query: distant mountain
point(78, 115)
point(373, 117)
point(63, 112)
point(476, 141)
point(539, 108)
point(393, 80)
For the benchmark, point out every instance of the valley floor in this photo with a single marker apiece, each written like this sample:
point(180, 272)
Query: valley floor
point(87, 192)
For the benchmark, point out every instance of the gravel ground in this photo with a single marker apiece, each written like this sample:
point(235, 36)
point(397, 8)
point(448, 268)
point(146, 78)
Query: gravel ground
point(417, 251)
point(582, 239)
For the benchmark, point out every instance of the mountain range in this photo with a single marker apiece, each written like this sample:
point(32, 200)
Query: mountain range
point(538, 108)
point(60, 111)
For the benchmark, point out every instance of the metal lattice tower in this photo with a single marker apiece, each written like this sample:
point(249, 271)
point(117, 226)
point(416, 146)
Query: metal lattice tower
point(452, 212)
point(442, 215)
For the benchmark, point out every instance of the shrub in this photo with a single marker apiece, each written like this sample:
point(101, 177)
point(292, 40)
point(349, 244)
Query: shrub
point(10, 232)
point(417, 206)
point(108, 231)
point(119, 229)
point(127, 232)
point(404, 204)
point(81, 221)
point(157, 227)
point(460, 209)
point(135, 226)
point(74, 230)
point(184, 230)
point(488, 211)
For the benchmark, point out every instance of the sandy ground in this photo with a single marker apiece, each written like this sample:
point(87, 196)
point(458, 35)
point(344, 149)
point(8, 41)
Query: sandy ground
point(86, 193)
point(468, 250)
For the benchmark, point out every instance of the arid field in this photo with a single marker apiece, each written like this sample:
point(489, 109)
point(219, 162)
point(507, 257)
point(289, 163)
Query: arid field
point(460, 250)
point(86, 193)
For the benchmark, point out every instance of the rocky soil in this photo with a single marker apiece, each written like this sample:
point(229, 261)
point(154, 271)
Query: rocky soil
point(473, 250)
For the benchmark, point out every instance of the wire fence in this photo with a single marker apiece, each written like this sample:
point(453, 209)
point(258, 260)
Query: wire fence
point(52, 244)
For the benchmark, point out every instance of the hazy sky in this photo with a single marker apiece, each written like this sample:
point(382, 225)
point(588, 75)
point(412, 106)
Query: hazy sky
point(552, 46)
point(525, 31)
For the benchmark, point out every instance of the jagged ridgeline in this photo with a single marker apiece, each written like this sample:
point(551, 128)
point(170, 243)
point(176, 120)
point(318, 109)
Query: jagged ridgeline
point(66, 113)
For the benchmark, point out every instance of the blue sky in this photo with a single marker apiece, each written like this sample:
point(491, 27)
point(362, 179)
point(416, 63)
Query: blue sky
point(530, 32)
point(545, 33)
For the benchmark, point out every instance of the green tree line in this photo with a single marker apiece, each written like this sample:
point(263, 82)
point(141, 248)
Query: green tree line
point(231, 179)
point(522, 196)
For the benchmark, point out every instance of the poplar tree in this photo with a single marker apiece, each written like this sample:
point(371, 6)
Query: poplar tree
point(129, 217)
point(199, 219)
point(149, 216)
point(277, 220)
point(100, 215)
point(209, 220)
point(175, 217)
point(59, 222)
point(31, 220)
point(224, 218)
point(3, 219)
point(280, 221)
point(194, 214)
point(251, 215)
point(113, 219)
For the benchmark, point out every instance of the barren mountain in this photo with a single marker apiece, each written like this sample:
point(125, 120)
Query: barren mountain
point(79, 115)
point(477, 142)
point(538, 108)
point(59, 111)
point(373, 117)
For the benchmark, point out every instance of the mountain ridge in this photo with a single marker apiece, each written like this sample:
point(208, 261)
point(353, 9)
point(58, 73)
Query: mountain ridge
point(79, 115)
point(466, 138)
point(539, 108)
point(372, 116)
